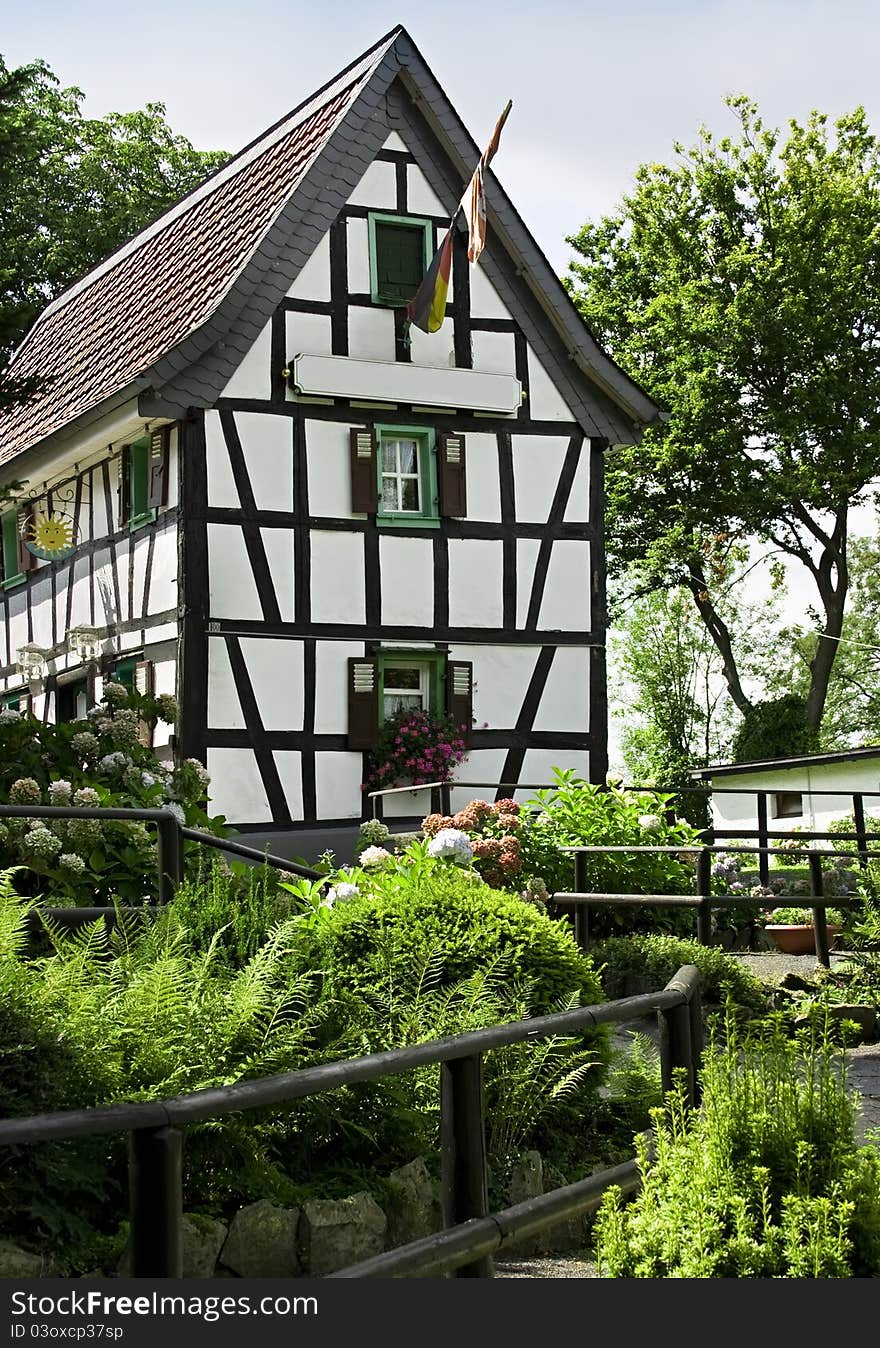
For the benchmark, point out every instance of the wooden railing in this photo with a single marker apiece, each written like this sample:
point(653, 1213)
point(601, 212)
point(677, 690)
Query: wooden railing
point(471, 1235)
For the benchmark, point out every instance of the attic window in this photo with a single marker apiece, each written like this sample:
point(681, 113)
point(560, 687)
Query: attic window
point(400, 251)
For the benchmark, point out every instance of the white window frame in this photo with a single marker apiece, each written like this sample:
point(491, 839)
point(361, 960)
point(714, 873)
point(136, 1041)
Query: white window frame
point(423, 691)
point(386, 439)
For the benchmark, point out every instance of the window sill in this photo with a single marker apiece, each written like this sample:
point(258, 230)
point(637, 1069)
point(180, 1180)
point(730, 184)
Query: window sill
point(138, 521)
point(403, 521)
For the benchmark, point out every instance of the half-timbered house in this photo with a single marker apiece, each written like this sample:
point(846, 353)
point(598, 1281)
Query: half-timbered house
point(272, 498)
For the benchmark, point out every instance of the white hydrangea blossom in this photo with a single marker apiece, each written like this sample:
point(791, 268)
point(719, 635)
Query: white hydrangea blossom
point(115, 693)
point(650, 823)
point(342, 893)
point(177, 810)
point(148, 779)
point(9, 714)
point(452, 845)
point(110, 762)
point(59, 792)
point(373, 856)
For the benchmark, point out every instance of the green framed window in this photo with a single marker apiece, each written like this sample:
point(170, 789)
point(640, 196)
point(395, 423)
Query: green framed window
point(400, 253)
point(14, 553)
point(406, 468)
point(410, 681)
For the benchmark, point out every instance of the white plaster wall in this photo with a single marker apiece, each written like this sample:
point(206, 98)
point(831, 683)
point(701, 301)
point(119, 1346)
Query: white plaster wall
point(434, 349)
point(337, 573)
point(526, 556)
point(141, 546)
point(565, 704)
point(289, 765)
point(331, 684)
point(338, 785)
point(407, 570)
point(163, 577)
point(222, 491)
point(236, 789)
point(312, 333)
point(395, 142)
point(313, 282)
point(483, 485)
point(123, 548)
point(233, 591)
point(475, 580)
point(421, 198)
point(566, 602)
point(275, 668)
point(41, 616)
point(279, 545)
point(577, 511)
point(252, 378)
point(480, 765)
point(18, 626)
point(538, 764)
point(358, 257)
point(537, 463)
point(80, 611)
point(494, 352)
point(370, 333)
point(328, 453)
point(501, 677)
point(545, 401)
point(95, 484)
point(485, 300)
point(377, 188)
point(267, 442)
point(409, 804)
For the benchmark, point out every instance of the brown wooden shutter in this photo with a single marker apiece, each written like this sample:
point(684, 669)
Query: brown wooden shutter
point(26, 560)
point(460, 694)
point(451, 474)
point(157, 476)
point(364, 471)
point(124, 491)
point(363, 703)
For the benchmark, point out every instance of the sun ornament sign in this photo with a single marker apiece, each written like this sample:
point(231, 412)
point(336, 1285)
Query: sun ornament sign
point(50, 535)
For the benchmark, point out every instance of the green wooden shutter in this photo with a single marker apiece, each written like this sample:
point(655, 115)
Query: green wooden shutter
point(157, 471)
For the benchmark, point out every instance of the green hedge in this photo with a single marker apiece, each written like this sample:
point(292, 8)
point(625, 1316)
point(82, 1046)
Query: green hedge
point(644, 963)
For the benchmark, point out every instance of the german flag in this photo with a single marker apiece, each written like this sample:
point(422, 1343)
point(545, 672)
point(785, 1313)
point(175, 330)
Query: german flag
point(427, 308)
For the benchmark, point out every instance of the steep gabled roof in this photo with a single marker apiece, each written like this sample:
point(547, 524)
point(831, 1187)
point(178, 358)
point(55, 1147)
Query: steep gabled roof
point(171, 313)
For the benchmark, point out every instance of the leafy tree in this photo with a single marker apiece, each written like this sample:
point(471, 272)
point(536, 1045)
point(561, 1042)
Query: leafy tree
point(741, 287)
point(72, 189)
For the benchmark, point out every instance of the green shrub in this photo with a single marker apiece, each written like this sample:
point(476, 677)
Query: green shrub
point(764, 1181)
point(233, 906)
point(574, 811)
point(446, 915)
point(648, 963)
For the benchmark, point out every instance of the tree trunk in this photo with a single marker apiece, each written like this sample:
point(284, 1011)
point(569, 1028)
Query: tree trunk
point(833, 563)
point(718, 631)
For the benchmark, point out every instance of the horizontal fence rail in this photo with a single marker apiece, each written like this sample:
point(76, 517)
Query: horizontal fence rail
point(472, 1234)
point(582, 898)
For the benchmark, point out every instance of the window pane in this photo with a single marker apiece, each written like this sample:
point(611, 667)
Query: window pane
point(395, 702)
point(389, 456)
point(389, 493)
point(408, 451)
point(402, 676)
point(410, 493)
point(400, 260)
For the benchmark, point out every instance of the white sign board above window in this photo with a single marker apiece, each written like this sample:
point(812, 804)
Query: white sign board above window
point(413, 385)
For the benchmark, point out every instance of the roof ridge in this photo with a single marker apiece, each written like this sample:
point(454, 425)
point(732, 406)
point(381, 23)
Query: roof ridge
point(359, 69)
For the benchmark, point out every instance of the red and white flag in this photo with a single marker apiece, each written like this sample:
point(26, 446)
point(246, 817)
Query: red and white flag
point(474, 200)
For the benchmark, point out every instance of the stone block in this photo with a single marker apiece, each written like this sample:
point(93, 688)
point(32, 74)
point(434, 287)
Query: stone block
point(336, 1232)
point(262, 1242)
point(414, 1206)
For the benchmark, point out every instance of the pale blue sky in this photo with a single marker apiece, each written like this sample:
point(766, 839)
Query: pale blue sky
point(597, 88)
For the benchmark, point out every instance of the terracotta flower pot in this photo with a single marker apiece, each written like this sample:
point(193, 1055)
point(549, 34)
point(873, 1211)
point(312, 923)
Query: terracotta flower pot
point(798, 940)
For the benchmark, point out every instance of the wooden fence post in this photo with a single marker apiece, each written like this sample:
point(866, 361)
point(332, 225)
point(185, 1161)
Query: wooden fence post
point(820, 926)
point(155, 1181)
point(463, 1141)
